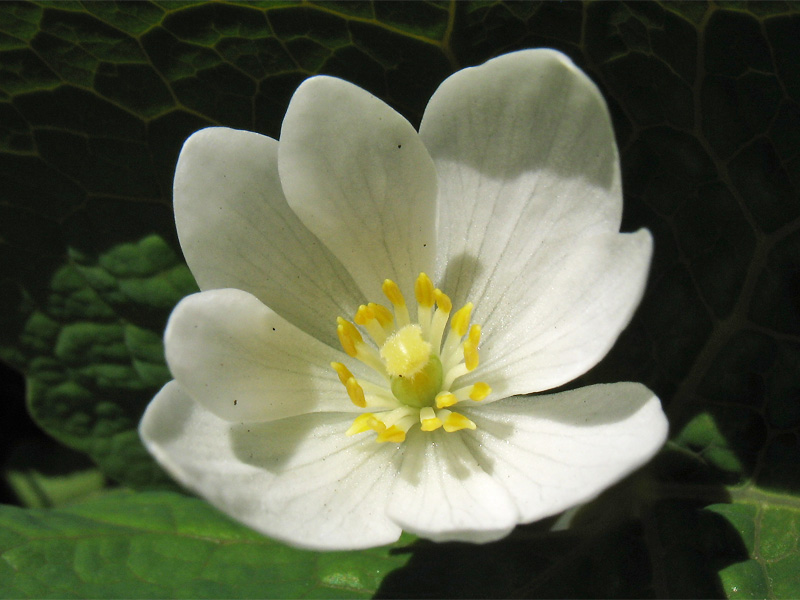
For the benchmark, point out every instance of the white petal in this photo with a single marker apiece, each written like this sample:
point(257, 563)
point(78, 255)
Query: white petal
point(560, 320)
point(553, 452)
point(244, 363)
point(300, 480)
point(443, 493)
point(525, 154)
point(359, 177)
point(237, 231)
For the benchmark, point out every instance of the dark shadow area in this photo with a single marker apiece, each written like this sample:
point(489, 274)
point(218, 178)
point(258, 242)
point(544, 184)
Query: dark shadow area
point(25, 449)
point(675, 550)
point(16, 426)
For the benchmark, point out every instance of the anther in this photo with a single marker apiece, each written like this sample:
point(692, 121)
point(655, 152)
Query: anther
point(354, 345)
point(460, 321)
point(391, 434)
point(457, 422)
point(348, 336)
point(424, 292)
point(479, 391)
point(342, 371)
point(445, 399)
point(475, 334)
point(471, 347)
point(443, 301)
point(366, 317)
point(470, 355)
point(363, 315)
point(397, 423)
point(356, 393)
point(365, 422)
point(459, 324)
point(383, 315)
point(428, 420)
point(476, 392)
point(395, 296)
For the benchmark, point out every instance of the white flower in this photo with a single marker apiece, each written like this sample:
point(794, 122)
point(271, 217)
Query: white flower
point(509, 198)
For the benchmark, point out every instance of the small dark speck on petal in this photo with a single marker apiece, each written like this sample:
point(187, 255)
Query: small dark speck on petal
point(235, 402)
point(273, 329)
point(399, 145)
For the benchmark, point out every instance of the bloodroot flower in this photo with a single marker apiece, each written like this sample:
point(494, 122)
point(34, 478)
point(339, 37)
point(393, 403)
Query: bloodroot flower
point(376, 301)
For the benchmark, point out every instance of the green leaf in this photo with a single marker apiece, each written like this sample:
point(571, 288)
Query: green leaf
point(97, 97)
point(164, 545)
point(94, 354)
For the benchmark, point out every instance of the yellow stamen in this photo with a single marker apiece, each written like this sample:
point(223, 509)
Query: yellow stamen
point(363, 315)
point(356, 393)
point(459, 324)
point(428, 420)
point(479, 391)
point(460, 321)
point(476, 392)
point(342, 371)
point(424, 291)
point(397, 422)
point(382, 314)
point(348, 336)
point(354, 345)
point(443, 301)
point(457, 422)
point(393, 293)
point(392, 434)
point(365, 422)
point(445, 399)
point(475, 334)
point(395, 296)
point(470, 355)
point(366, 318)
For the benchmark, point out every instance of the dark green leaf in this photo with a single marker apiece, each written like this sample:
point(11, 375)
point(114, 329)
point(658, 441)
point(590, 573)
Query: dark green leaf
point(94, 355)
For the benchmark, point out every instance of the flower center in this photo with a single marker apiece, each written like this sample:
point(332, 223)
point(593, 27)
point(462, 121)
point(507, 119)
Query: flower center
point(419, 365)
point(415, 373)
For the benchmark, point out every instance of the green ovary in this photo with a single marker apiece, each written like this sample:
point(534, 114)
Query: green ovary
point(419, 389)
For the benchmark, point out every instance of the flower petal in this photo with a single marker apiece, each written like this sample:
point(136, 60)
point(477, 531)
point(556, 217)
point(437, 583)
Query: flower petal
point(237, 231)
point(300, 480)
point(553, 452)
point(243, 362)
point(443, 493)
point(525, 155)
point(359, 177)
point(554, 324)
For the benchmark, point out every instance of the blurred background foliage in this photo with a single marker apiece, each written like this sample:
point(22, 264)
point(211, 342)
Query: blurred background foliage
point(96, 99)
